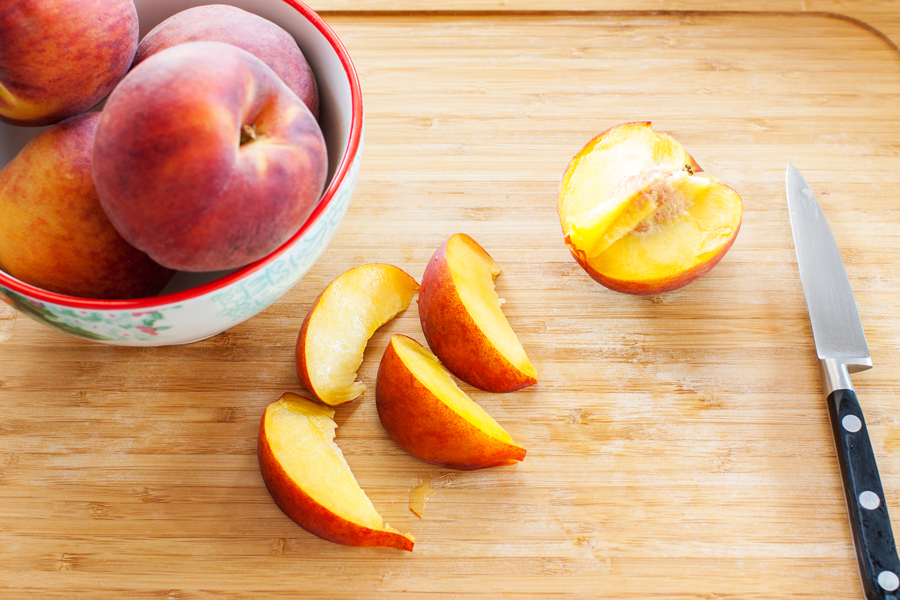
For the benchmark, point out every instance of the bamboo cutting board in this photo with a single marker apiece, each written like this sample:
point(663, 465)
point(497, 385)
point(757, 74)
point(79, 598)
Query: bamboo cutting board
point(678, 444)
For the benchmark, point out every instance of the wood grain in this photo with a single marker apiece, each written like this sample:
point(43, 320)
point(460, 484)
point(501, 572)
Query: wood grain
point(678, 445)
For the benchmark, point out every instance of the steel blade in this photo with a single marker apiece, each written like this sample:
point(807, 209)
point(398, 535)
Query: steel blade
point(836, 326)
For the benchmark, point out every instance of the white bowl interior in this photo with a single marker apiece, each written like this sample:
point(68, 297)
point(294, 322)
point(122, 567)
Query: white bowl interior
point(335, 98)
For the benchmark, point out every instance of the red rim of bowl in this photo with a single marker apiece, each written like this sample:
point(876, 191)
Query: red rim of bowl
point(200, 290)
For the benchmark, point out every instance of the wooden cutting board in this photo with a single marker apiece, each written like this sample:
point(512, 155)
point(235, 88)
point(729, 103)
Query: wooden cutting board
point(678, 444)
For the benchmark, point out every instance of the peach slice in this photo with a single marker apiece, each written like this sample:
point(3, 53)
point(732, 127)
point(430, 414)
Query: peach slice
point(310, 481)
point(339, 324)
point(462, 320)
point(426, 413)
point(638, 214)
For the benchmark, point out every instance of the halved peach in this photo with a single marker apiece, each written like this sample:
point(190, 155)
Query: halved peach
point(462, 320)
point(640, 216)
point(310, 481)
point(426, 413)
point(339, 324)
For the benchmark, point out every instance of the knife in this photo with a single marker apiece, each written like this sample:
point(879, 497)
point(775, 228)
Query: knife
point(842, 349)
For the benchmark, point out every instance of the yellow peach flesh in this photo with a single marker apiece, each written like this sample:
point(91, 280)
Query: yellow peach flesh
point(300, 433)
point(7, 99)
point(419, 498)
point(350, 310)
point(432, 374)
point(473, 272)
point(642, 200)
point(678, 244)
point(625, 151)
point(20, 108)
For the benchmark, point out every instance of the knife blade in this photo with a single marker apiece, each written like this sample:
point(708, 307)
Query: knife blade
point(841, 349)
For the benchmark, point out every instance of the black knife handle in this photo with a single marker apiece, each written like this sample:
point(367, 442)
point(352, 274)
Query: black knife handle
point(876, 552)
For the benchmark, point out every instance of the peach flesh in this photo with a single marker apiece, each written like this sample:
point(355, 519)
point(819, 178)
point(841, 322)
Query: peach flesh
point(337, 327)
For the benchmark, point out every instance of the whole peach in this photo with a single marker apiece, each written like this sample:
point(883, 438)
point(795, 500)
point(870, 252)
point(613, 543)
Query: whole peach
point(258, 36)
point(53, 231)
point(59, 58)
point(205, 160)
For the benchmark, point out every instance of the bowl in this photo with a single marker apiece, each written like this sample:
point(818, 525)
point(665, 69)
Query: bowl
point(195, 306)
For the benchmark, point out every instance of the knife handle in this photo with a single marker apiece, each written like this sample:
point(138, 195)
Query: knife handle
point(876, 551)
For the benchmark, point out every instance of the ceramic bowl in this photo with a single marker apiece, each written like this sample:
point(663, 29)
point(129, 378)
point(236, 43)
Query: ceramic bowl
point(195, 306)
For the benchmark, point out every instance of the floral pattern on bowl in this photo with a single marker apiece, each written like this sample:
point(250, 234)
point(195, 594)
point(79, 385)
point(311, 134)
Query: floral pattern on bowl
point(91, 325)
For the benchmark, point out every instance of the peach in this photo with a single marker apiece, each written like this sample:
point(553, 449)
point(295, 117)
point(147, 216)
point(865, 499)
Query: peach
point(59, 58)
point(462, 320)
point(311, 482)
point(258, 36)
point(638, 214)
point(205, 160)
point(426, 413)
point(340, 322)
point(53, 231)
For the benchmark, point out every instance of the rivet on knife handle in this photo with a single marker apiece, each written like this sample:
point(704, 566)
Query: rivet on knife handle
point(870, 524)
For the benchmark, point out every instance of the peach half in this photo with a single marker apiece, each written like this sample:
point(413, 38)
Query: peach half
point(463, 322)
point(426, 413)
point(339, 324)
point(640, 216)
point(307, 476)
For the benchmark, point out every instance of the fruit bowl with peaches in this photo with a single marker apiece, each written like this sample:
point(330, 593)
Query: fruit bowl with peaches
point(187, 178)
